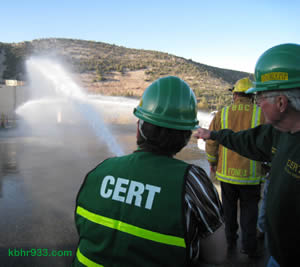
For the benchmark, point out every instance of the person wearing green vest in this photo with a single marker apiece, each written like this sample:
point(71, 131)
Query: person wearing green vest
point(277, 88)
point(239, 177)
point(148, 208)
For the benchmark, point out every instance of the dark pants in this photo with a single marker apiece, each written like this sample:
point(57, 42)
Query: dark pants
point(249, 196)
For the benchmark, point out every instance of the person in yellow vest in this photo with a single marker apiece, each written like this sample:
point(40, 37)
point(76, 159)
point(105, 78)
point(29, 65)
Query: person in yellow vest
point(148, 208)
point(240, 177)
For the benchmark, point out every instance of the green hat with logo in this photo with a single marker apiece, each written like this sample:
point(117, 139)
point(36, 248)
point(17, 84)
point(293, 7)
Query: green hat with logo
point(168, 102)
point(277, 69)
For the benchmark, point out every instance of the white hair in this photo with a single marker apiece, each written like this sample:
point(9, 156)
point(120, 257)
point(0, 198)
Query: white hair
point(293, 95)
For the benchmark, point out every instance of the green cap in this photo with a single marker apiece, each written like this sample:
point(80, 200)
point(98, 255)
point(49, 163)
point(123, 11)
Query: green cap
point(168, 102)
point(277, 69)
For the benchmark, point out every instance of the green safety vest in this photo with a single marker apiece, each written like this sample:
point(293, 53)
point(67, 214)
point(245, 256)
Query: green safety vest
point(236, 169)
point(129, 212)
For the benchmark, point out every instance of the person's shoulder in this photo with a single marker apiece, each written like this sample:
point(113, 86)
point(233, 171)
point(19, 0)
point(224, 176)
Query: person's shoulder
point(107, 161)
point(197, 175)
point(196, 169)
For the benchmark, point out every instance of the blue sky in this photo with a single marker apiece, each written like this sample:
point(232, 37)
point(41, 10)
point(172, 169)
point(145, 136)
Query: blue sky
point(230, 34)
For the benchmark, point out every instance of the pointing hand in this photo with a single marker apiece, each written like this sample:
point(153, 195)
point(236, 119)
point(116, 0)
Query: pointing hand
point(202, 133)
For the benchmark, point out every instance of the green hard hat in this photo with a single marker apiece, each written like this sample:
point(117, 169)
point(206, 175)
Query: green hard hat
point(168, 102)
point(277, 69)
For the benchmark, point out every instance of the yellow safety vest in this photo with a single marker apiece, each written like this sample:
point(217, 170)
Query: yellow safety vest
point(231, 167)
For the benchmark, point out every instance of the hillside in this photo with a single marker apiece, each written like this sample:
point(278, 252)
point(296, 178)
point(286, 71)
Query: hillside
point(116, 70)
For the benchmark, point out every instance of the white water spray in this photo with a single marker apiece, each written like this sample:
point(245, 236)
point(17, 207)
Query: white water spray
point(65, 88)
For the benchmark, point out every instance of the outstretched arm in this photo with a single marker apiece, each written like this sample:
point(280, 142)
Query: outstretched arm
point(255, 143)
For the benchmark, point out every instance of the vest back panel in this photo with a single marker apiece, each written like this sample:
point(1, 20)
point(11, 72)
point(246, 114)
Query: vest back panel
point(129, 212)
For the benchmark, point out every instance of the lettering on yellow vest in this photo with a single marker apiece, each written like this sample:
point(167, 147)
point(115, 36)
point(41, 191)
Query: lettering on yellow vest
point(128, 191)
point(240, 107)
point(237, 172)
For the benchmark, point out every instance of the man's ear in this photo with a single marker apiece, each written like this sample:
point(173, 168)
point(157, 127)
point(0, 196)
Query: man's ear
point(282, 103)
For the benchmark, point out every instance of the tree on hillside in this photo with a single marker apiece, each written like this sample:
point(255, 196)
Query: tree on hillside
point(99, 73)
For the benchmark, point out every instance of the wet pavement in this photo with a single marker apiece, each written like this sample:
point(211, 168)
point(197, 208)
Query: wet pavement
point(236, 259)
point(39, 178)
point(40, 175)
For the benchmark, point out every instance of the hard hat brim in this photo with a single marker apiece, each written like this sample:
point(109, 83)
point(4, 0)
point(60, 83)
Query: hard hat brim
point(253, 90)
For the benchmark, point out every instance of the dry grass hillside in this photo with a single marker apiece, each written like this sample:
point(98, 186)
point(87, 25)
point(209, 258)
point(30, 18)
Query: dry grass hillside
point(116, 70)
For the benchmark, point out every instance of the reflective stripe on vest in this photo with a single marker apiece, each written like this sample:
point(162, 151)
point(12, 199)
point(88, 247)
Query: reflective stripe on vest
point(224, 125)
point(252, 179)
point(235, 180)
point(85, 261)
point(255, 122)
point(211, 158)
point(131, 229)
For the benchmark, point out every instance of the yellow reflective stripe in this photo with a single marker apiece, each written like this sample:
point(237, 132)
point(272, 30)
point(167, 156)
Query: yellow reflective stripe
point(224, 125)
point(258, 117)
point(255, 116)
point(235, 180)
point(131, 229)
point(224, 118)
point(211, 158)
point(253, 168)
point(255, 122)
point(224, 160)
point(85, 261)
